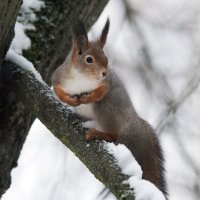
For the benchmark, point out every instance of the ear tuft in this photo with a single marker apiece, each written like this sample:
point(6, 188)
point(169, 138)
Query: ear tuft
point(80, 38)
point(104, 33)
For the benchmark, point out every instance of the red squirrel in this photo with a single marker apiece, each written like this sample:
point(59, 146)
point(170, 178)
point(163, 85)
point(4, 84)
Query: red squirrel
point(86, 82)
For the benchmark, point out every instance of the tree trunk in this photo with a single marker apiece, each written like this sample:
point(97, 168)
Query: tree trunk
point(9, 10)
point(11, 124)
point(50, 44)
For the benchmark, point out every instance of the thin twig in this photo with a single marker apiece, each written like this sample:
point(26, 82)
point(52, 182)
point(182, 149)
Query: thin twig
point(168, 114)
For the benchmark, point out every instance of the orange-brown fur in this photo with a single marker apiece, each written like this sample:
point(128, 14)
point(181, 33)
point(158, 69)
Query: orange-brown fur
point(95, 95)
point(92, 97)
point(64, 97)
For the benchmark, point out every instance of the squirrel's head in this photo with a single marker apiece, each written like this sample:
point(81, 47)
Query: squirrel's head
point(88, 56)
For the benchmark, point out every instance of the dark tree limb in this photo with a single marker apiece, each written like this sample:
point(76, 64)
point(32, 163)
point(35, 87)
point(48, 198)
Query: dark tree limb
point(8, 145)
point(50, 45)
point(39, 99)
point(8, 13)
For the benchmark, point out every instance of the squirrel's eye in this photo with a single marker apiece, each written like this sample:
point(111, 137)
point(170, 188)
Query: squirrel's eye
point(89, 59)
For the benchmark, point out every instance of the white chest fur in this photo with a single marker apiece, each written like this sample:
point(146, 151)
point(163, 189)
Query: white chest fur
point(85, 110)
point(79, 83)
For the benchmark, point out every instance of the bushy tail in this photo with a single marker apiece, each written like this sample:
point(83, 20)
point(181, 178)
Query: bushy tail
point(144, 145)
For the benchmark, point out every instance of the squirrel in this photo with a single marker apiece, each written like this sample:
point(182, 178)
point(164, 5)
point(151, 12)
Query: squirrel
point(85, 82)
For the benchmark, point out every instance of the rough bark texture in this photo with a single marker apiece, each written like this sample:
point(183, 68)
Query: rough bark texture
point(50, 44)
point(8, 13)
point(10, 113)
point(67, 127)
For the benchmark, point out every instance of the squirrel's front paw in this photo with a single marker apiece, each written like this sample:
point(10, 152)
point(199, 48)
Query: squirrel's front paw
point(87, 98)
point(65, 97)
point(94, 96)
point(72, 100)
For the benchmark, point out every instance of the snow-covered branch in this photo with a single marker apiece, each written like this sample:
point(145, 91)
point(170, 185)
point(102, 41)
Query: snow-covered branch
point(39, 99)
point(105, 160)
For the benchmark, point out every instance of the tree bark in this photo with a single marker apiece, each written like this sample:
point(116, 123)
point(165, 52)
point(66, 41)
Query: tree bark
point(50, 44)
point(39, 99)
point(9, 145)
point(9, 10)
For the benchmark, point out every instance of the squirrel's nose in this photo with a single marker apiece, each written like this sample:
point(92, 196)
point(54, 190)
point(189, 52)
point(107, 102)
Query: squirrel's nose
point(104, 73)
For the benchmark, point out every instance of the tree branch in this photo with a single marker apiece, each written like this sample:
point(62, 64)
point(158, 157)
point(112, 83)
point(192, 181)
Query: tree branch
point(39, 99)
point(49, 47)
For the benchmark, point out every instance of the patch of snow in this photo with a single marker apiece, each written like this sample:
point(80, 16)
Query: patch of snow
point(23, 63)
point(143, 189)
point(20, 41)
point(28, 5)
point(125, 159)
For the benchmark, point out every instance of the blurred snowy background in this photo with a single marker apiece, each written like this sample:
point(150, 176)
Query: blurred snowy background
point(155, 48)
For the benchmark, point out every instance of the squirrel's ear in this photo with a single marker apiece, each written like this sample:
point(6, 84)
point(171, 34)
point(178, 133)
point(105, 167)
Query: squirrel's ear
point(80, 38)
point(104, 33)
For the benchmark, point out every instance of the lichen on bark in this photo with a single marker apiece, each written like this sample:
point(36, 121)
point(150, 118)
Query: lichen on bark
point(67, 127)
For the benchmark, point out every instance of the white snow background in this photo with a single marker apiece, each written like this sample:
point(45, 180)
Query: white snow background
point(47, 170)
